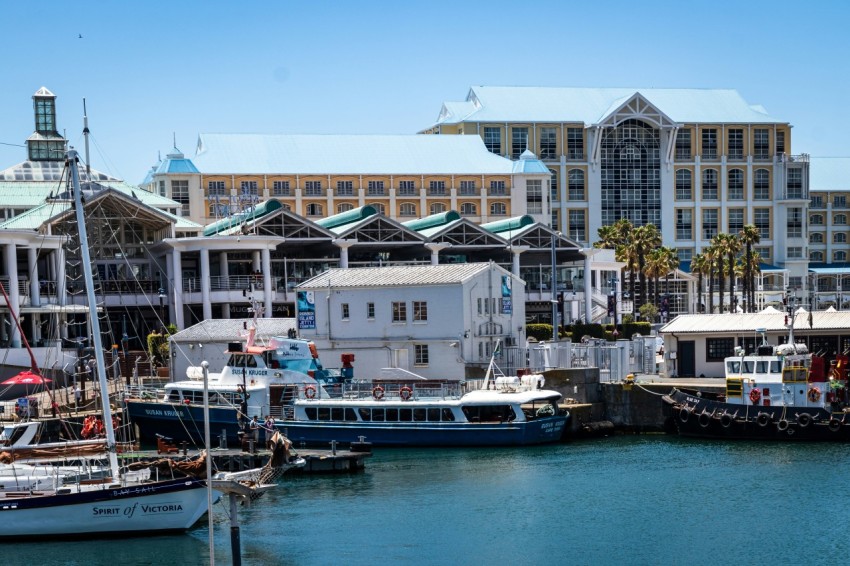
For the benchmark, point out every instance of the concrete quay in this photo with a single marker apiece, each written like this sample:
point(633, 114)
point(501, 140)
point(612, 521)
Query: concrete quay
point(604, 407)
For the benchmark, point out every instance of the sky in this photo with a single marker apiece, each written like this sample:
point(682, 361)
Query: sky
point(153, 71)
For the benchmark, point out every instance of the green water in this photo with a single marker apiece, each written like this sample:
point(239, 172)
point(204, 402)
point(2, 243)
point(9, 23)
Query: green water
point(625, 500)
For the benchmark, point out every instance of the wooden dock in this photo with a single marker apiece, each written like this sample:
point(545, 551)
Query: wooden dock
point(233, 460)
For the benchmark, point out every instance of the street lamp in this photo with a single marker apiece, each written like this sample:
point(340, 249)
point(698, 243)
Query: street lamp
point(162, 306)
point(612, 300)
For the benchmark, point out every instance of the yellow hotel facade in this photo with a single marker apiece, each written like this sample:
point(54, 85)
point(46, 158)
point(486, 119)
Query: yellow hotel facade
point(694, 162)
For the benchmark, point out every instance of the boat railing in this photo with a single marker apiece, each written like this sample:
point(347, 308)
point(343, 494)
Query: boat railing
point(386, 390)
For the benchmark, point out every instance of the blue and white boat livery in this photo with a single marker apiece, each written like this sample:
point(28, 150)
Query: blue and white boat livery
point(256, 381)
point(405, 410)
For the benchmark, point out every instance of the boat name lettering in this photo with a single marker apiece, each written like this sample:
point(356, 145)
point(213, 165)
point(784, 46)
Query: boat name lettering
point(256, 372)
point(163, 412)
point(163, 508)
point(106, 511)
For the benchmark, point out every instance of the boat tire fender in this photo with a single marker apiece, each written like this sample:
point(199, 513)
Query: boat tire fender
point(782, 425)
point(684, 413)
point(763, 419)
point(726, 420)
point(704, 420)
point(804, 420)
point(378, 393)
point(834, 425)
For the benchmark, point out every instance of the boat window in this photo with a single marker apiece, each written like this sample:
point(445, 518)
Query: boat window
point(252, 361)
point(365, 414)
point(378, 415)
point(733, 367)
point(419, 415)
point(392, 415)
point(324, 414)
point(776, 366)
point(350, 415)
point(434, 414)
point(511, 414)
point(311, 413)
point(405, 415)
point(448, 415)
point(748, 367)
point(761, 366)
point(336, 413)
point(174, 396)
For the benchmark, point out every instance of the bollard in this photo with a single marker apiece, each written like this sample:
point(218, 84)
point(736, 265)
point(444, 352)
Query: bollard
point(333, 447)
point(222, 443)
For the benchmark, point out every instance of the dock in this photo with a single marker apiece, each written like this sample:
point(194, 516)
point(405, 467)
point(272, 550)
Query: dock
point(235, 460)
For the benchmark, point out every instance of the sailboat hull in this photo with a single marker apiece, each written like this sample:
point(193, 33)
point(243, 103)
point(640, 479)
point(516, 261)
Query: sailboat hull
point(142, 509)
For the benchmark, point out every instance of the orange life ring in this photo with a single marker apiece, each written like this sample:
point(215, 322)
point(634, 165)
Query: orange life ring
point(405, 393)
point(814, 394)
point(310, 392)
point(378, 393)
point(755, 396)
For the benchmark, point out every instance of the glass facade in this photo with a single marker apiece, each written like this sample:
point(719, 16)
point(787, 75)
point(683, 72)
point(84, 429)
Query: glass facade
point(631, 174)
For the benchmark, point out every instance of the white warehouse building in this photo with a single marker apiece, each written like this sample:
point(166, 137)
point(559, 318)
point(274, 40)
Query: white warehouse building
point(438, 321)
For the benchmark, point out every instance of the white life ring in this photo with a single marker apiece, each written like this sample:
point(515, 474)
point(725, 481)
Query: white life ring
point(405, 393)
point(310, 392)
point(378, 393)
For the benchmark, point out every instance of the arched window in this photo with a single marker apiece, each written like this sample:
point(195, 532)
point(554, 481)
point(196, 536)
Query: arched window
point(839, 256)
point(816, 238)
point(684, 185)
point(377, 206)
point(761, 184)
point(839, 238)
point(314, 209)
point(407, 209)
point(468, 209)
point(839, 220)
point(735, 185)
point(709, 185)
point(344, 207)
point(576, 189)
point(499, 209)
point(437, 208)
point(816, 220)
point(816, 256)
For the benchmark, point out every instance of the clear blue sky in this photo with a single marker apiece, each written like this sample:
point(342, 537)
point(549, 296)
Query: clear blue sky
point(150, 69)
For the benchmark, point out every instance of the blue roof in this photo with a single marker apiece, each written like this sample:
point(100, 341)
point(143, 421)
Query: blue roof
point(176, 162)
point(592, 105)
point(414, 154)
point(829, 268)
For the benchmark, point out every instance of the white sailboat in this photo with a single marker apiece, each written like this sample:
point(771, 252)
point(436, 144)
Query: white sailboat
point(121, 505)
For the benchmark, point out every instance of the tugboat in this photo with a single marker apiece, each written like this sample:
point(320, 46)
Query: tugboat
point(779, 392)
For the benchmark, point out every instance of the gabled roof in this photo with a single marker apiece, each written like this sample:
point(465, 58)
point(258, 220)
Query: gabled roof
point(592, 105)
point(742, 323)
point(347, 155)
point(464, 233)
point(397, 276)
point(229, 330)
point(377, 229)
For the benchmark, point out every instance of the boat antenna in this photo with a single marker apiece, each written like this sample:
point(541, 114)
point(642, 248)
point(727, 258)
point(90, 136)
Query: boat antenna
point(86, 137)
point(71, 161)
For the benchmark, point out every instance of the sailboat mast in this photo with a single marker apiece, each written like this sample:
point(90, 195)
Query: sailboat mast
point(72, 158)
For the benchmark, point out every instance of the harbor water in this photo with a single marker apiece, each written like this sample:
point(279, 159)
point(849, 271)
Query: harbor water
point(625, 500)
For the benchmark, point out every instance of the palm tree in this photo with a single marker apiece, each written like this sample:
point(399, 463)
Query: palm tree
point(699, 264)
point(710, 255)
point(618, 237)
point(728, 247)
point(646, 238)
point(656, 266)
point(719, 256)
point(749, 236)
point(671, 260)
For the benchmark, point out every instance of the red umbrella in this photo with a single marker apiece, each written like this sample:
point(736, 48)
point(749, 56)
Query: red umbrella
point(26, 377)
